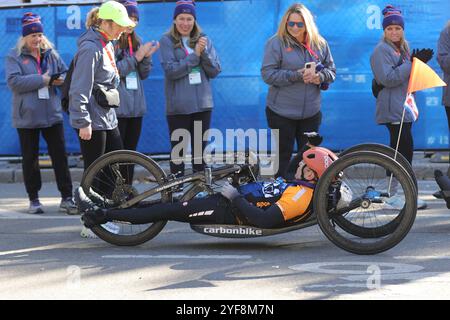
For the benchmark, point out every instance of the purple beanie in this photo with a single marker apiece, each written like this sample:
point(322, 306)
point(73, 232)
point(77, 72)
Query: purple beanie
point(184, 6)
point(31, 23)
point(131, 6)
point(392, 16)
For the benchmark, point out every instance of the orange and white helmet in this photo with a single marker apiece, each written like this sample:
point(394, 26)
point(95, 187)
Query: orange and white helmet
point(319, 159)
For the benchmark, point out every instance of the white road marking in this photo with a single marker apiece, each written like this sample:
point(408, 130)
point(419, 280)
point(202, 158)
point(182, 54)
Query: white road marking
point(166, 256)
point(327, 268)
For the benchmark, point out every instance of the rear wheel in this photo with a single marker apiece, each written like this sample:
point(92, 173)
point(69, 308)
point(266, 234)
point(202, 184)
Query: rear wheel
point(379, 225)
point(117, 177)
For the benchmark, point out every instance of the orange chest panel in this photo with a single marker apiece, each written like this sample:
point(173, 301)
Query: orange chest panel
point(295, 201)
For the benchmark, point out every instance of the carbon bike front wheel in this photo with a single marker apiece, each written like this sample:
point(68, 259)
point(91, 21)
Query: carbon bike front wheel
point(375, 232)
point(367, 204)
point(116, 178)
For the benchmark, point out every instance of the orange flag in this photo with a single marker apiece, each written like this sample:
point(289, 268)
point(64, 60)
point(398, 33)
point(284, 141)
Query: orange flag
point(423, 77)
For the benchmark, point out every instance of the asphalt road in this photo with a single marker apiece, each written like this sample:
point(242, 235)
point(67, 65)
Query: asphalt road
point(44, 257)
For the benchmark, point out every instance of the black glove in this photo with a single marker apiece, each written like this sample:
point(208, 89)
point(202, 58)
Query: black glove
point(423, 55)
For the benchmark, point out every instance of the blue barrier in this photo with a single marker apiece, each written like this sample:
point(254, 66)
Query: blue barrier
point(239, 30)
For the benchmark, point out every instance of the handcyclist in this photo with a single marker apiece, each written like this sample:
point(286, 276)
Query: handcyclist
point(261, 204)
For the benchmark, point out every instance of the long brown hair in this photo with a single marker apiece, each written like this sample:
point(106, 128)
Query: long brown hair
point(123, 41)
point(196, 33)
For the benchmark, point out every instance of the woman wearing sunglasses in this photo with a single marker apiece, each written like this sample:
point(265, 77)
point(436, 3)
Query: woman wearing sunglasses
point(297, 65)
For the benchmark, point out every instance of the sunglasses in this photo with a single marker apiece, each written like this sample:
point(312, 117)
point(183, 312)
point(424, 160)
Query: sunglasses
point(292, 24)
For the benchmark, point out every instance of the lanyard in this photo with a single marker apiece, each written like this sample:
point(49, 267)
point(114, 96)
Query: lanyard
point(109, 53)
point(130, 45)
point(38, 59)
point(311, 52)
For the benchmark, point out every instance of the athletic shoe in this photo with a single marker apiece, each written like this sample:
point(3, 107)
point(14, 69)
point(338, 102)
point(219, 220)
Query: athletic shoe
point(68, 206)
point(35, 207)
point(421, 204)
point(87, 233)
point(438, 195)
point(83, 202)
point(396, 202)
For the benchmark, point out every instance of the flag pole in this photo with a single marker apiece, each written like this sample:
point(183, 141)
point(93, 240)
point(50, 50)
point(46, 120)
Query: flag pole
point(396, 149)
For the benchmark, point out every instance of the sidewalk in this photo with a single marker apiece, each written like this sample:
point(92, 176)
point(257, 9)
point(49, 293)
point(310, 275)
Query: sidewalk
point(11, 172)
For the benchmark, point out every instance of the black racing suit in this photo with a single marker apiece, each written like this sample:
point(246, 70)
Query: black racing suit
point(263, 205)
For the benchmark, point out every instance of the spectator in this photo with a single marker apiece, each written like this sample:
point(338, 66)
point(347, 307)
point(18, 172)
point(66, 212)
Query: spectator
point(443, 59)
point(134, 61)
point(391, 67)
point(95, 72)
point(37, 109)
point(189, 61)
point(294, 99)
point(93, 94)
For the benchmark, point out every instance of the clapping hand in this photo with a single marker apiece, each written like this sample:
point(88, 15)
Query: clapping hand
point(200, 46)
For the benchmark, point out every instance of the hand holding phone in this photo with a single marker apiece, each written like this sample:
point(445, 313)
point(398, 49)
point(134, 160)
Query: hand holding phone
point(56, 76)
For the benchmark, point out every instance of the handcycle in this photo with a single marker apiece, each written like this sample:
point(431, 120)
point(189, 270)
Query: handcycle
point(361, 223)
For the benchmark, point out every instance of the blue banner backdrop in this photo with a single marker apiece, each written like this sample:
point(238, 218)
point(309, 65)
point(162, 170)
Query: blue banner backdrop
point(239, 30)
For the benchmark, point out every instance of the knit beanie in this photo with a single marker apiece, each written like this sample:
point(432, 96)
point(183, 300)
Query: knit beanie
point(392, 16)
point(131, 6)
point(184, 6)
point(31, 23)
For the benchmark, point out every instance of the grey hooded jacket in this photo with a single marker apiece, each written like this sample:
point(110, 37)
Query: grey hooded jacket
point(181, 96)
point(132, 102)
point(22, 77)
point(288, 95)
point(92, 68)
point(443, 59)
point(392, 70)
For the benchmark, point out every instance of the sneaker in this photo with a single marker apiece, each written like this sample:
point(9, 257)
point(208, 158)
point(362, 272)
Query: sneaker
point(421, 204)
point(83, 202)
point(87, 233)
point(438, 195)
point(68, 206)
point(100, 200)
point(396, 202)
point(35, 207)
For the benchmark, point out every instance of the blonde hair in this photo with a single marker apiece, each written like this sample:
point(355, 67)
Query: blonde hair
point(194, 36)
point(315, 40)
point(92, 19)
point(45, 45)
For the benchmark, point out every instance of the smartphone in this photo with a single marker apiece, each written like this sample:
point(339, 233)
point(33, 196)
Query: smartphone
point(310, 67)
point(55, 76)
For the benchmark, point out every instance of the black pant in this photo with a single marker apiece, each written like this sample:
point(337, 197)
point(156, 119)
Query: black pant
point(187, 122)
point(130, 131)
point(29, 144)
point(406, 146)
point(214, 209)
point(447, 111)
point(290, 131)
point(102, 141)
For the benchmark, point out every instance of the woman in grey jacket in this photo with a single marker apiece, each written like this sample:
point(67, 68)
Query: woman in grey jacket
point(95, 69)
point(443, 59)
point(134, 61)
point(189, 61)
point(294, 98)
point(37, 109)
point(391, 67)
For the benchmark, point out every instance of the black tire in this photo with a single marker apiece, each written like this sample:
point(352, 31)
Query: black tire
point(352, 243)
point(125, 158)
point(364, 232)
